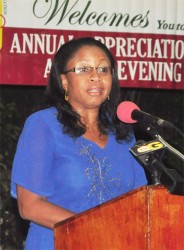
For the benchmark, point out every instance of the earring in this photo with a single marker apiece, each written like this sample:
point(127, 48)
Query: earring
point(108, 97)
point(66, 95)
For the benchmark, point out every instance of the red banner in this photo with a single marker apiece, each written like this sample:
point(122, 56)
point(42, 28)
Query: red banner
point(144, 59)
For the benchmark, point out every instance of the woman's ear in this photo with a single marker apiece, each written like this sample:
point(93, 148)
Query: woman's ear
point(64, 81)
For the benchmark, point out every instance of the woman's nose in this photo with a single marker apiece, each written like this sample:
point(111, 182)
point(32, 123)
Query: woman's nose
point(95, 75)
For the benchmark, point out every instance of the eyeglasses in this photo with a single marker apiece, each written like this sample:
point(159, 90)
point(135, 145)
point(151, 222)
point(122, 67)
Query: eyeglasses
point(87, 69)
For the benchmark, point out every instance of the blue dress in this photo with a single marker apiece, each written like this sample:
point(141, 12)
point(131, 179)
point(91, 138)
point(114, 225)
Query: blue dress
point(75, 174)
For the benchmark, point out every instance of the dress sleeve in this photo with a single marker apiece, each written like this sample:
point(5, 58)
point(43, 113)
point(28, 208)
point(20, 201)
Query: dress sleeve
point(33, 162)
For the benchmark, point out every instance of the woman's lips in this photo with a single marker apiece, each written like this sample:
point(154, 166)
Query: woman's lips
point(95, 91)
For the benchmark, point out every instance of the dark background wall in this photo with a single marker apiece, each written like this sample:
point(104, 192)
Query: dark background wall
point(17, 102)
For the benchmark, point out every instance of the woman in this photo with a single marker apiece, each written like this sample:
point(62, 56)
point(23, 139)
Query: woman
point(74, 155)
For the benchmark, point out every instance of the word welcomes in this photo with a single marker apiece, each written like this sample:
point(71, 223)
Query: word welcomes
point(62, 10)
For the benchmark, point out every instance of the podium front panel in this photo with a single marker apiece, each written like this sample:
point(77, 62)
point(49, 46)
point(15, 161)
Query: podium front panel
point(148, 218)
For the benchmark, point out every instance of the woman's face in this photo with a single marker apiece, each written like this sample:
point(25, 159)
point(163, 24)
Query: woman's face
point(87, 90)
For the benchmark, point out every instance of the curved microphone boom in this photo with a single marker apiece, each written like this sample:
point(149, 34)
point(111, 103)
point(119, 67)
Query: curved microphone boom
point(129, 112)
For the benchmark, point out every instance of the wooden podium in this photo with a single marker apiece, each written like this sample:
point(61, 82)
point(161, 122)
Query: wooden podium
point(147, 218)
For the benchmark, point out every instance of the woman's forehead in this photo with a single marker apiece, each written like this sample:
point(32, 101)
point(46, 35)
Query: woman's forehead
point(88, 53)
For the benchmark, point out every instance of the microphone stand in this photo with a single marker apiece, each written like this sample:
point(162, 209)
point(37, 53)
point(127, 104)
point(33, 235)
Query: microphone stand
point(170, 178)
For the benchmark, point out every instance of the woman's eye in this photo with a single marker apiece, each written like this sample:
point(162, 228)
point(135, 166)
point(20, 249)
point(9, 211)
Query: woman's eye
point(84, 69)
point(104, 69)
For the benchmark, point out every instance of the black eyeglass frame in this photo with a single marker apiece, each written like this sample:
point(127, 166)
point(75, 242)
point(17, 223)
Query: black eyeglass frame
point(89, 67)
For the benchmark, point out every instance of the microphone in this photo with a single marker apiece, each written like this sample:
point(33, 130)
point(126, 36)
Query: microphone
point(129, 112)
point(149, 155)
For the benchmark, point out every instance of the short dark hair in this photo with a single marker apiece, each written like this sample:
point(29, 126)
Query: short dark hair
point(56, 94)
